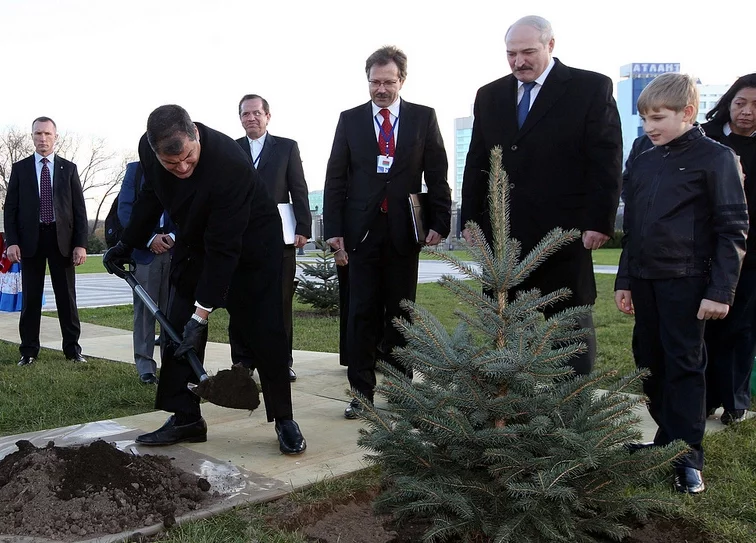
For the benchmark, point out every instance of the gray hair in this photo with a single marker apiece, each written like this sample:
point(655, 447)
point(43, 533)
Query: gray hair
point(539, 23)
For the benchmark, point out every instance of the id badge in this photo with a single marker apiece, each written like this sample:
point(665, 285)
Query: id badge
point(384, 163)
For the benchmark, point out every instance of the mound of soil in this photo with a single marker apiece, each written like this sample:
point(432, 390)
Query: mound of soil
point(74, 493)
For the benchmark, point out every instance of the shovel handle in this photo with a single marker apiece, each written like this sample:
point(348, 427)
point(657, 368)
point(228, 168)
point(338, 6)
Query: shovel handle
point(153, 308)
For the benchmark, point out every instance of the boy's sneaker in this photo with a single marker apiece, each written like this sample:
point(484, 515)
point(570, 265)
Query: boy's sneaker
point(728, 417)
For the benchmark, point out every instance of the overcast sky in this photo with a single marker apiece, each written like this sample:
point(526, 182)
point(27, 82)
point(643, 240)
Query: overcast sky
point(99, 67)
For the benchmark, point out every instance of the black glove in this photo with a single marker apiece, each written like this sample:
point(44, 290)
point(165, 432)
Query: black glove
point(117, 257)
point(195, 338)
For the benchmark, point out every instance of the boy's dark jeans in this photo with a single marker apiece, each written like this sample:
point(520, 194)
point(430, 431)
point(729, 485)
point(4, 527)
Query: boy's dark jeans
point(668, 340)
point(731, 346)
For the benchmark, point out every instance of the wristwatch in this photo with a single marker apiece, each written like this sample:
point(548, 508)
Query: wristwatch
point(199, 319)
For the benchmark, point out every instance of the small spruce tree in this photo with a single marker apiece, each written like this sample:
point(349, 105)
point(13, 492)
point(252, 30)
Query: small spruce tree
point(321, 292)
point(495, 439)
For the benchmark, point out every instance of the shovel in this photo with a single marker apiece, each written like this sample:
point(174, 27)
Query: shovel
point(232, 388)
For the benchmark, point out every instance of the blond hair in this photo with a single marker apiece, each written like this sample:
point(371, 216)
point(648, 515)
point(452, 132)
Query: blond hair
point(671, 91)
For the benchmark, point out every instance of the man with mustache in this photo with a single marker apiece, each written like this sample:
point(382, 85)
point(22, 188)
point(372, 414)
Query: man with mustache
point(381, 152)
point(559, 130)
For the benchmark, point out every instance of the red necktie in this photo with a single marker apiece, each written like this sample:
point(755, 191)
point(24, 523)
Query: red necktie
point(386, 131)
point(384, 147)
point(45, 194)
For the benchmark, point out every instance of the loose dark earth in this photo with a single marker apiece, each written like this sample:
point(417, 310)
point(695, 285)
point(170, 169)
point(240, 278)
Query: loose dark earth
point(74, 493)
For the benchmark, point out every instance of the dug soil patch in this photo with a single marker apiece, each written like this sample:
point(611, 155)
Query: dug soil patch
point(75, 493)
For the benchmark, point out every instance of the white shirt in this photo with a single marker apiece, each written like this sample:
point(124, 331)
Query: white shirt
point(256, 147)
point(538, 84)
point(393, 116)
point(50, 166)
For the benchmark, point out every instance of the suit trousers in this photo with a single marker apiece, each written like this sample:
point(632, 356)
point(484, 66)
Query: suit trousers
point(731, 347)
point(255, 309)
point(342, 272)
point(154, 279)
point(379, 279)
point(668, 339)
point(63, 278)
point(239, 355)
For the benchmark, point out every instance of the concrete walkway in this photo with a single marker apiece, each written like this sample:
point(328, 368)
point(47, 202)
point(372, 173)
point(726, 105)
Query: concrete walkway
point(241, 456)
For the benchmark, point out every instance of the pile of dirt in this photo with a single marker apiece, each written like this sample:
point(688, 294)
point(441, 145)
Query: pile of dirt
point(74, 493)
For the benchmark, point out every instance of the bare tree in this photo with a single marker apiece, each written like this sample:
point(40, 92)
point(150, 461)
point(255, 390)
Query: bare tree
point(14, 145)
point(112, 187)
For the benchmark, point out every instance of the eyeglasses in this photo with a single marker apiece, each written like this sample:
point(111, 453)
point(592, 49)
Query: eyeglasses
point(391, 83)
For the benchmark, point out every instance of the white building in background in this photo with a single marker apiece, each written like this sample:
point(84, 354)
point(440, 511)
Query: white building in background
point(462, 136)
point(634, 78)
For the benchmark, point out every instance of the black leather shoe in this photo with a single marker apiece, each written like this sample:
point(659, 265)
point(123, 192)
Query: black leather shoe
point(638, 446)
point(77, 358)
point(170, 433)
point(148, 379)
point(26, 360)
point(290, 438)
point(353, 410)
point(689, 480)
point(728, 417)
point(292, 375)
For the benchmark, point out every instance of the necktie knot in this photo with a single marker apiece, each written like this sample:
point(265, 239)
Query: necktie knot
point(44, 160)
point(528, 86)
point(385, 112)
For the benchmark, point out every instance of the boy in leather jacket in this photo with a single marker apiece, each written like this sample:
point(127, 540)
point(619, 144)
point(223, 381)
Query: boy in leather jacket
point(685, 229)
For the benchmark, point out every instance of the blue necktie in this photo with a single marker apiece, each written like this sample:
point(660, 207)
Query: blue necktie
point(524, 106)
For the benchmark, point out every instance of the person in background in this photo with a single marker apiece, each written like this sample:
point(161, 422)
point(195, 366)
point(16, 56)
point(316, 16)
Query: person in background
point(153, 263)
point(731, 342)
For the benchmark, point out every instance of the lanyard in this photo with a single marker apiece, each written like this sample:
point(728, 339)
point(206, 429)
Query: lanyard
point(387, 137)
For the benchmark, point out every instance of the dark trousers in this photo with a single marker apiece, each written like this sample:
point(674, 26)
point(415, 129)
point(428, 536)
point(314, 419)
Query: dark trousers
point(63, 280)
point(583, 363)
point(239, 355)
point(731, 347)
point(256, 315)
point(342, 272)
point(379, 279)
point(668, 340)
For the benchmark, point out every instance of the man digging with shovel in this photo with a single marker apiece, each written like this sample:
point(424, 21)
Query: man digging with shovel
point(228, 253)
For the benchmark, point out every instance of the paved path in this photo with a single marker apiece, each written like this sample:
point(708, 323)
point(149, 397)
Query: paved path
point(103, 289)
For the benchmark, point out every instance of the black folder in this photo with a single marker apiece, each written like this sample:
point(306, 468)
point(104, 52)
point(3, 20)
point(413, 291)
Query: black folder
point(419, 211)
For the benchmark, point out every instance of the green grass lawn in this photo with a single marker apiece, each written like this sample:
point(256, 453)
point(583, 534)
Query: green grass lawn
point(55, 393)
point(606, 257)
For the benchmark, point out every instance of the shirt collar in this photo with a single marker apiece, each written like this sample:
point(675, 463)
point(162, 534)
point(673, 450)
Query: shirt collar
point(393, 108)
point(541, 78)
point(38, 157)
point(726, 130)
point(260, 140)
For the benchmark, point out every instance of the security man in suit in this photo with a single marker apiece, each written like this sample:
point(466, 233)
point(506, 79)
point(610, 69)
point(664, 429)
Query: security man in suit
point(381, 152)
point(278, 162)
point(46, 224)
point(559, 130)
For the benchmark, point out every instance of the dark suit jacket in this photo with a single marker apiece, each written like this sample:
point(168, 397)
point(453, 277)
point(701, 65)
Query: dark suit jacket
point(22, 207)
point(126, 198)
point(564, 166)
point(224, 217)
point(280, 168)
point(354, 191)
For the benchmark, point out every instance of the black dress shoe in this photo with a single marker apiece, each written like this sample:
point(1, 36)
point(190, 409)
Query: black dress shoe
point(77, 358)
point(26, 360)
point(353, 410)
point(728, 417)
point(170, 433)
point(290, 438)
point(635, 447)
point(689, 480)
point(148, 379)
point(292, 375)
